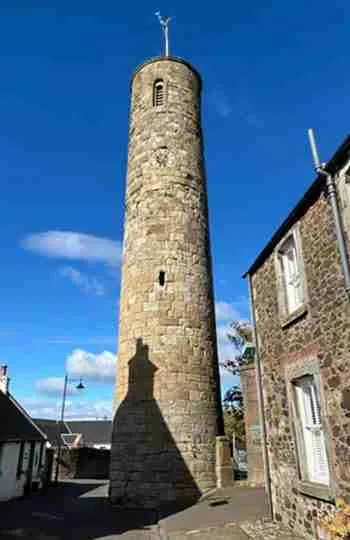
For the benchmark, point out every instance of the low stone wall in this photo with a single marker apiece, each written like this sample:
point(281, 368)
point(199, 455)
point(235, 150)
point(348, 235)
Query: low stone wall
point(84, 463)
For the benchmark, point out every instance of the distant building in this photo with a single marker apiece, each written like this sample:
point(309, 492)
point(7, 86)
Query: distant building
point(77, 433)
point(22, 447)
point(94, 433)
point(300, 297)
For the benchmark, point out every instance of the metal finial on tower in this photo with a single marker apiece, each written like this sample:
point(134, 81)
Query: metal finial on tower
point(164, 23)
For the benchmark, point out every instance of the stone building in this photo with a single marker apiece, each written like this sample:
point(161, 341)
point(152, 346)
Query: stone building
point(168, 409)
point(252, 423)
point(300, 296)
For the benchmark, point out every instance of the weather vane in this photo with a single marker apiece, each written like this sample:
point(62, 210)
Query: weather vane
point(164, 23)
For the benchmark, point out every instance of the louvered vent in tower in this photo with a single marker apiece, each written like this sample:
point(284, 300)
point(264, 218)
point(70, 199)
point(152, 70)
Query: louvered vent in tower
point(158, 93)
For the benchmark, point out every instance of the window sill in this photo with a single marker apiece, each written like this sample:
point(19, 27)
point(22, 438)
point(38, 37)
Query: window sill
point(318, 491)
point(294, 316)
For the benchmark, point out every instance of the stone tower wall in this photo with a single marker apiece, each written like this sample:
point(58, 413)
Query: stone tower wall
point(167, 382)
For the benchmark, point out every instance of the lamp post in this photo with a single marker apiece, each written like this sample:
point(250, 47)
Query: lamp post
point(79, 386)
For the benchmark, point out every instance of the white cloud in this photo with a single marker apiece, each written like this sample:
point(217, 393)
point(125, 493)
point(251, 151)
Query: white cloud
point(237, 310)
point(225, 311)
point(84, 410)
point(85, 283)
point(225, 347)
point(226, 351)
point(69, 340)
point(54, 386)
point(96, 367)
point(72, 245)
point(221, 103)
point(41, 407)
point(50, 408)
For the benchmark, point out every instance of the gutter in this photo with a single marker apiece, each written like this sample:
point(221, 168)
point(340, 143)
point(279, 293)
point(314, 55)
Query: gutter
point(267, 469)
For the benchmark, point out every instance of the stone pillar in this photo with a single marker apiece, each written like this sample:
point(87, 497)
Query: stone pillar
point(255, 461)
point(167, 409)
point(224, 468)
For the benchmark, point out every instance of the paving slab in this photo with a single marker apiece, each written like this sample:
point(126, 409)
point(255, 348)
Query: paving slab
point(222, 506)
point(73, 510)
point(80, 510)
point(229, 531)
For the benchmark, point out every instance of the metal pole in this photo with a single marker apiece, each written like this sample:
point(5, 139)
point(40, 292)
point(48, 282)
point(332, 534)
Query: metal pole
point(261, 402)
point(166, 33)
point(164, 23)
point(64, 397)
point(60, 426)
point(313, 146)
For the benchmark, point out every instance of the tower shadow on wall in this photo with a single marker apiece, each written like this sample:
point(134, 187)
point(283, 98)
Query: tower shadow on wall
point(147, 468)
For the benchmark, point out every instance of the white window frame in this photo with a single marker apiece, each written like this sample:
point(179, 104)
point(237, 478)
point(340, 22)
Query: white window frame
point(291, 283)
point(306, 367)
point(315, 465)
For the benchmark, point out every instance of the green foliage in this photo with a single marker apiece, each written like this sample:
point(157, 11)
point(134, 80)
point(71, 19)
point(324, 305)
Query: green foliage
point(240, 335)
point(234, 413)
point(234, 426)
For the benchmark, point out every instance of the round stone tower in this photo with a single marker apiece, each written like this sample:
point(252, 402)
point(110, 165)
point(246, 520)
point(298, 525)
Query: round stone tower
point(168, 410)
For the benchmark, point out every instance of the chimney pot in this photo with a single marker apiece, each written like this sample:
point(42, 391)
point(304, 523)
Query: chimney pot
point(4, 379)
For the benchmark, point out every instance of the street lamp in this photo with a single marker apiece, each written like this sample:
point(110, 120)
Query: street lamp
point(79, 386)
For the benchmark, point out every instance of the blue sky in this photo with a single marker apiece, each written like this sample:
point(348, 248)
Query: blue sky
point(271, 69)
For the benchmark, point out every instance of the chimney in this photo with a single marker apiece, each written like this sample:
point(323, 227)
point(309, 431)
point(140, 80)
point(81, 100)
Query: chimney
point(4, 380)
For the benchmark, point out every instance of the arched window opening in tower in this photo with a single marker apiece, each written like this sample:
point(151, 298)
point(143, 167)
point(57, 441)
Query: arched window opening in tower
point(158, 93)
point(161, 278)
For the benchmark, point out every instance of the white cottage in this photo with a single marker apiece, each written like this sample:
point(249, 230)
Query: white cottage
point(22, 447)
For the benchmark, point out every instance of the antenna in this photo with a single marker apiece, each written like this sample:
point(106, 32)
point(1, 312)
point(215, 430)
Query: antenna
point(164, 23)
point(314, 151)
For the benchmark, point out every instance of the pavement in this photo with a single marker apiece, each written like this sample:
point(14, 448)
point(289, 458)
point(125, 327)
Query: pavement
point(80, 510)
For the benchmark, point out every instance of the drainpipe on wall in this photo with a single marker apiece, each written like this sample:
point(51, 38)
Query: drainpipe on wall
point(320, 168)
point(339, 229)
point(261, 402)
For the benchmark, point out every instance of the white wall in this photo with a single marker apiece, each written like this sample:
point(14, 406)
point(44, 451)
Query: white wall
point(10, 485)
point(38, 462)
point(104, 446)
point(8, 470)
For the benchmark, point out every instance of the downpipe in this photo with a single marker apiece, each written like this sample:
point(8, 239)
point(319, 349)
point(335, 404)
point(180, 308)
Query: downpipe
point(339, 230)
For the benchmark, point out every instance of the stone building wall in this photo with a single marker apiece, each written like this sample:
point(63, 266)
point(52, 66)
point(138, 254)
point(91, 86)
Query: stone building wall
point(253, 431)
point(323, 334)
point(84, 463)
point(168, 407)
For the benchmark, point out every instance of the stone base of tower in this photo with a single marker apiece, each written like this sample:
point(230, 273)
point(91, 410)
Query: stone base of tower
point(150, 470)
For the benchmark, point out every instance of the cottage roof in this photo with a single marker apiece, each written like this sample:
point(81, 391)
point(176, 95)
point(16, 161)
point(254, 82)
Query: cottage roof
point(15, 423)
point(93, 431)
point(51, 428)
point(338, 160)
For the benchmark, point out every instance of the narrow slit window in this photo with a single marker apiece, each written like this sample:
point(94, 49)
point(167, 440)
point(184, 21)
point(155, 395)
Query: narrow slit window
point(158, 93)
point(162, 278)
